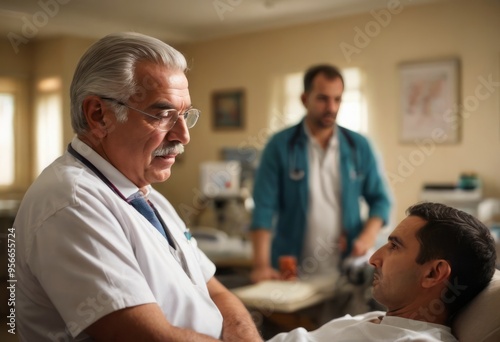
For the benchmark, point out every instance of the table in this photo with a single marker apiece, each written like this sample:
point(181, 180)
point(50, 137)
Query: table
point(287, 296)
point(280, 306)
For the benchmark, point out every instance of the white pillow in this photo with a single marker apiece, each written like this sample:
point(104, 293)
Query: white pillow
point(480, 320)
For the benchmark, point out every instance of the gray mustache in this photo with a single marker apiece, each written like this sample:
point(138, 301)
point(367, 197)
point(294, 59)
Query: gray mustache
point(177, 148)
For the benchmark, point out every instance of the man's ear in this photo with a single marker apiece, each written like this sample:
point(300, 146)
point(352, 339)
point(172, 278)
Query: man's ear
point(93, 111)
point(436, 272)
point(303, 98)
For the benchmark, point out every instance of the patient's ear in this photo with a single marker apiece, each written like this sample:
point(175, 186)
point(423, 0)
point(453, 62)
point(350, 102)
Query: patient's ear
point(436, 272)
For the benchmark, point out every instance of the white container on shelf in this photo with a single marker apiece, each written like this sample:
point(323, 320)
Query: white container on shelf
point(466, 200)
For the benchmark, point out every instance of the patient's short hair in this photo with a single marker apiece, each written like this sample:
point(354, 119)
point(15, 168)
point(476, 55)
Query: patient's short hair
point(463, 241)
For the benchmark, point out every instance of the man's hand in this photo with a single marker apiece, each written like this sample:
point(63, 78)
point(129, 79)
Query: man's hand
point(264, 273)
point(360, 246)
point(262, 270)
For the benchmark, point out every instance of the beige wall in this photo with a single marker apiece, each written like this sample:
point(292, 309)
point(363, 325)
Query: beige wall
point(467, 30)
point(15, 64)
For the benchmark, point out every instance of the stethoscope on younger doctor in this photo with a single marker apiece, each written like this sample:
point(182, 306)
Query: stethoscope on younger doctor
point(297, 174)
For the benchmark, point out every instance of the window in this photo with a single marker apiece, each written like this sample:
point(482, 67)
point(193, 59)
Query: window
point(48, 123)
point(7, 103)
point(352, 113)
point(15, 135)
point(28, 144)
point(294, 109)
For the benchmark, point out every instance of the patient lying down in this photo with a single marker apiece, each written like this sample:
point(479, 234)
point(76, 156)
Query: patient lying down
point(435, 261)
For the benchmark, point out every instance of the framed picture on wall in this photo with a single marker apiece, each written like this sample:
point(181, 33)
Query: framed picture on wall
point(430, 101)
point(228, 109)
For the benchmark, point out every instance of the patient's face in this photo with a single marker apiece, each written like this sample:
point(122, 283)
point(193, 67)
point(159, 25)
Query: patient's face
point(397, 280)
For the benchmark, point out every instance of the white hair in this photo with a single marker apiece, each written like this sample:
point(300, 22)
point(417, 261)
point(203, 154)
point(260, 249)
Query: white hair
point(107, 69)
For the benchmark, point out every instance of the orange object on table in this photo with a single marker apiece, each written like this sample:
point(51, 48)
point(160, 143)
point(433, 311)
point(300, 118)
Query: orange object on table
point(288, 267)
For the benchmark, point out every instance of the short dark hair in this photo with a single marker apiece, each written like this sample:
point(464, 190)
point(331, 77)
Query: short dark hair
point(329, 71)
point(464, 242)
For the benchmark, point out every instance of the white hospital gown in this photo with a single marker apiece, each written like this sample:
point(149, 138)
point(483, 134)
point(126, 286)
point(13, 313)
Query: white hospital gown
point(359, 328)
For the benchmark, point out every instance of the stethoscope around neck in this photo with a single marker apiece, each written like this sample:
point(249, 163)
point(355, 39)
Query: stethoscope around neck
point(297, 174)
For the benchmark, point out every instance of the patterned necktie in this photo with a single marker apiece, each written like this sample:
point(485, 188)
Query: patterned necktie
point(138, 201)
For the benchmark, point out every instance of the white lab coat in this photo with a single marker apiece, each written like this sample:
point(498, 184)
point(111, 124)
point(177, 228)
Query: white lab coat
point(83, 252)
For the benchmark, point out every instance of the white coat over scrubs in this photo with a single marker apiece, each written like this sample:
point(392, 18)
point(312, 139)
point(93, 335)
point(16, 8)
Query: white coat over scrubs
point(83, 252)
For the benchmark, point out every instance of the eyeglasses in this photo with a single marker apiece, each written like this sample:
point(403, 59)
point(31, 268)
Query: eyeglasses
point(166, 118)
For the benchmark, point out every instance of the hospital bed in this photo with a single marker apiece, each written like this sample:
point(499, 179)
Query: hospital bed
point(477, 322)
